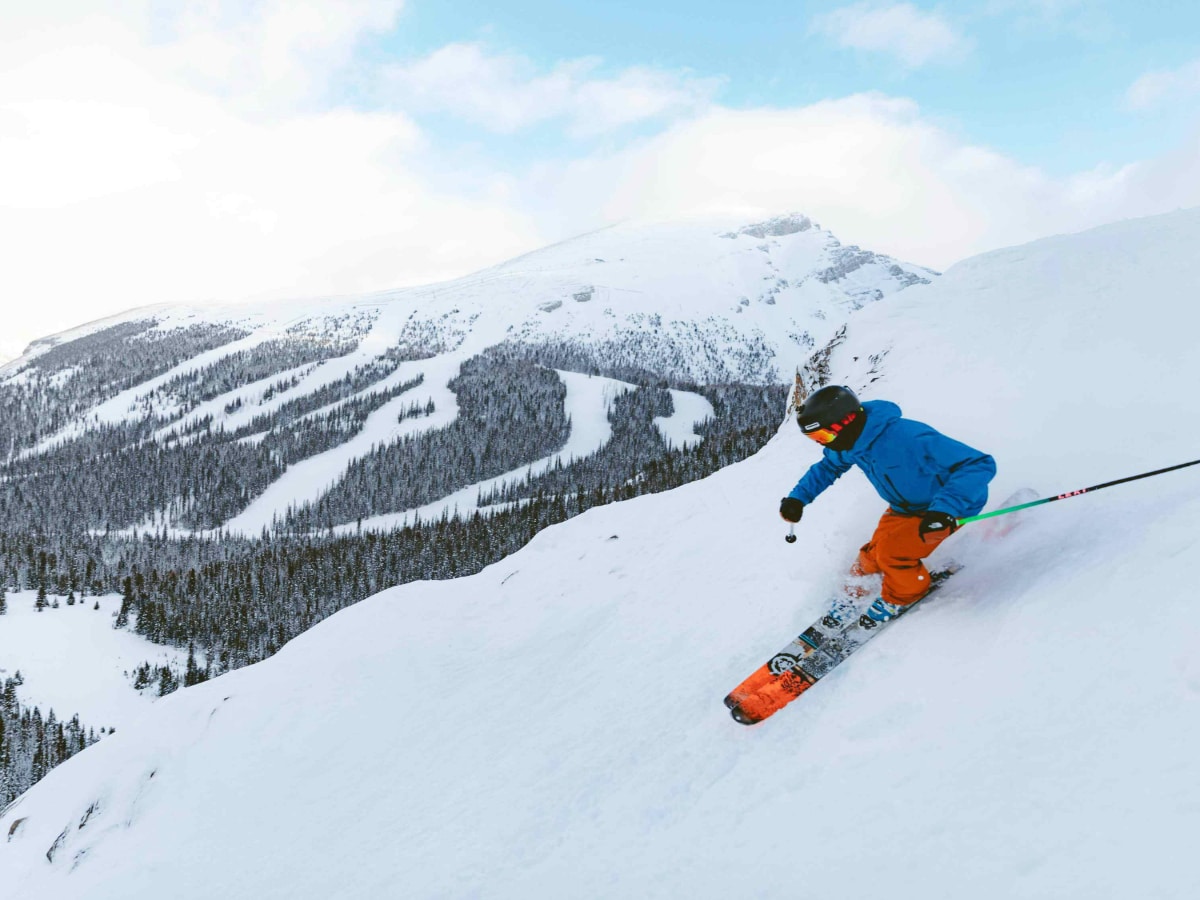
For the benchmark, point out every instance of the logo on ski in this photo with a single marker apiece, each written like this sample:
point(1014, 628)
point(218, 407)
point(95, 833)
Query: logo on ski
point(782, 662)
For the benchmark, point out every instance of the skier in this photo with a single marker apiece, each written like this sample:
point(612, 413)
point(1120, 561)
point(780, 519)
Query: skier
point(928, 480)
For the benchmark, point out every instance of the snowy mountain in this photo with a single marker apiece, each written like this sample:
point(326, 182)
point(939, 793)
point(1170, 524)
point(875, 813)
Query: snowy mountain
point(552, 726)
point(230, 477)
point(313, 415)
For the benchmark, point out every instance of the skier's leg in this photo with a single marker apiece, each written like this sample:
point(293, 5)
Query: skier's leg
point(861, 581)
point(866, 564)
point(899, 550)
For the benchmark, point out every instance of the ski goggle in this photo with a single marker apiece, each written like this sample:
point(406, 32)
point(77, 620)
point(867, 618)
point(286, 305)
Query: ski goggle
point(827, 435)
point(822, 435)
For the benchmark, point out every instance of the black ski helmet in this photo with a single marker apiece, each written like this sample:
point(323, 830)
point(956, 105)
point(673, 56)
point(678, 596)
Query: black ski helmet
point(828, 408)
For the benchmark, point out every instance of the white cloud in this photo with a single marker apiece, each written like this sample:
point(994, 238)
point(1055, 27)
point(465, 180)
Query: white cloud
point(506, 93)
point(123, 184)
point(914, 37)
point(1163, 86)
point(870, 168)
point(128, 177)
point(280, 52)
point(1081, 19)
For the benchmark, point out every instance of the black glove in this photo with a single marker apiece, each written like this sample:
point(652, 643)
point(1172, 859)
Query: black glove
point(791, 509)
point(934, 522)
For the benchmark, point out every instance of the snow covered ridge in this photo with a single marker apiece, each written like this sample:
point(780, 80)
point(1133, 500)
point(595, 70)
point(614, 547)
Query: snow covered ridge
point(553, 726)
point(271, 416)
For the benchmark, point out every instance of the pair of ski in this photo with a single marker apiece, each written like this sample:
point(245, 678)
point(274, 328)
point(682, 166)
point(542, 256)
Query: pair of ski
point(812, 655)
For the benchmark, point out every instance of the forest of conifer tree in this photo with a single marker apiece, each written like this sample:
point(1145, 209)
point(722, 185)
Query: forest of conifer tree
point(67, 509)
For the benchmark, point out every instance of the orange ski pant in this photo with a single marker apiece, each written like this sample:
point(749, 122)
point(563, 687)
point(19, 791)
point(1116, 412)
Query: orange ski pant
point(896, 550)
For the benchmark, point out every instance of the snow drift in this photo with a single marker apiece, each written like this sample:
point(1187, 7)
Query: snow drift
point(553, 726)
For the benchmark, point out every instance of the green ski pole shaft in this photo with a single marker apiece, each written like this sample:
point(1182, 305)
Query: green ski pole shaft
point(1080, 492)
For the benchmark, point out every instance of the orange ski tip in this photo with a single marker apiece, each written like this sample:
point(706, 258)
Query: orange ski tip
point(773, 697)
point(761, 677)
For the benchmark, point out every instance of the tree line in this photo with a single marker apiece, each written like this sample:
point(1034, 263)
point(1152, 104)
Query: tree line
point(32, 744)
point(233, 601)
point(238, 600)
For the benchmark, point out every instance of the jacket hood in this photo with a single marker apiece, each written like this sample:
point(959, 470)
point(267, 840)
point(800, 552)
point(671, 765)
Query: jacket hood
point(880, 414)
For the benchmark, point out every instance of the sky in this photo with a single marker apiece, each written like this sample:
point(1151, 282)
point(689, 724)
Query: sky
point(205, 151)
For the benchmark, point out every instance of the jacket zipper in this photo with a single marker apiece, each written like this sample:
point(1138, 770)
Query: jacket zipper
point(896, 492)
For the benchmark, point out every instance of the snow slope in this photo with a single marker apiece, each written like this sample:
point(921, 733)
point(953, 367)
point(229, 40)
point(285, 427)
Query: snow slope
point(74, 661)
point(588, 401)
point(308, 479)
point(553, 725)
point(678, 429)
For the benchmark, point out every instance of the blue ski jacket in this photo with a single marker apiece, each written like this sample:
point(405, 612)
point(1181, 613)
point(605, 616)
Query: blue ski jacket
point(913, 467)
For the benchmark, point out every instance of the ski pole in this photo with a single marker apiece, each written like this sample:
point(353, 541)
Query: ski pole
point(790, 537)
point(1069, 494)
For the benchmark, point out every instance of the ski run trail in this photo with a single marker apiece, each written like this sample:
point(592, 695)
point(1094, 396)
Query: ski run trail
point(553, 726)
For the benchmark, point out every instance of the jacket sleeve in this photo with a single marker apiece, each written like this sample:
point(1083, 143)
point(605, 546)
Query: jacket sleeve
point(965, 491)
point(820, 475)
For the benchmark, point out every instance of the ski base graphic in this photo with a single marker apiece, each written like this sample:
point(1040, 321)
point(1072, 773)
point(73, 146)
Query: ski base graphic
point(812, 655)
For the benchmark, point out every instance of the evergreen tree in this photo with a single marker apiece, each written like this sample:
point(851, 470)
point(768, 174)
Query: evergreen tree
point(126, 604)
point(141, 677)
point(237, 601)
point(167, 683)
point(31, 746)
point(193, 673)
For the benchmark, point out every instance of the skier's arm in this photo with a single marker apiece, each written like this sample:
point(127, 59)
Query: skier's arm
point(820, 475)
point(965, 491)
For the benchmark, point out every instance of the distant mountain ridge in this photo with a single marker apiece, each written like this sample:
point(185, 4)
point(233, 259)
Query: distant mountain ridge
point(678, 272)
point(181, 416)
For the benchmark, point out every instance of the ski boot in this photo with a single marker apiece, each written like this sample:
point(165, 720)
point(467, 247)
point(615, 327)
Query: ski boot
point(879, 612)
point(848, 601)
